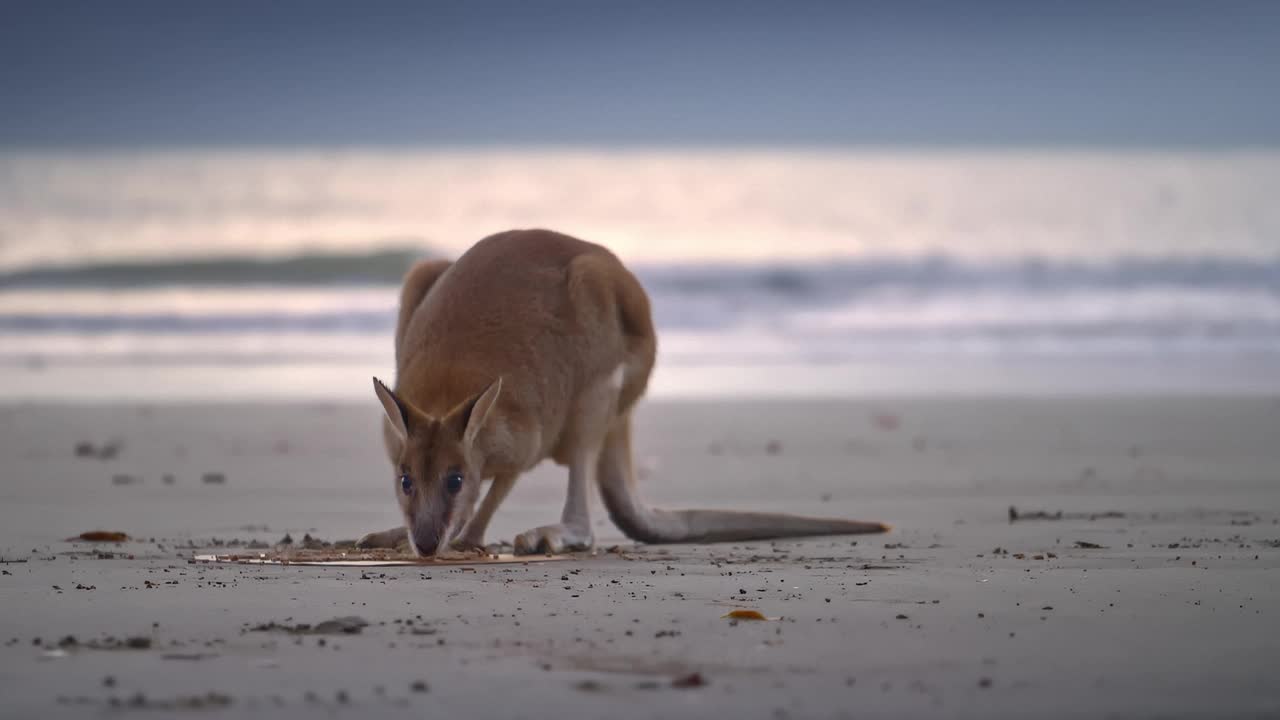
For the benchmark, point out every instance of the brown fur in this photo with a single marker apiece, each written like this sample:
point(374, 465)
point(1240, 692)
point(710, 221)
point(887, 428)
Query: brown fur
point(533, 345)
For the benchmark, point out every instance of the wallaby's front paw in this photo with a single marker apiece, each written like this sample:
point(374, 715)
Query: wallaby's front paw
point(387, 539)
point(464, 544)
point(552, 540)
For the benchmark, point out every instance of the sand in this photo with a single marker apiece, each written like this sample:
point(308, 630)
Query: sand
point(1176, 614)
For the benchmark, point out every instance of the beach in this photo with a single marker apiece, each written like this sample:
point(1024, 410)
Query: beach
point(1002, 284)
point(1154, 594)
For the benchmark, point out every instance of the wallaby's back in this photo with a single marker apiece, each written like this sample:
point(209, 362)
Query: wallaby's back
point(548, 313)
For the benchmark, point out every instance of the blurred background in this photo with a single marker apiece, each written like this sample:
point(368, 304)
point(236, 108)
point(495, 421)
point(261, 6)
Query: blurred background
point(217, 200)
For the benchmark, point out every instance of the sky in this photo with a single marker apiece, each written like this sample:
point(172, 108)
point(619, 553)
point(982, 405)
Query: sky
point(600, 72)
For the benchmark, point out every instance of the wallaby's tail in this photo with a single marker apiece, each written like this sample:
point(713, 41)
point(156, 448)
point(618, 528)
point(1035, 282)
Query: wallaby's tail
point(651, 525)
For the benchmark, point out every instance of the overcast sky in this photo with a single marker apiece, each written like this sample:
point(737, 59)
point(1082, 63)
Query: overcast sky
point(166, 73)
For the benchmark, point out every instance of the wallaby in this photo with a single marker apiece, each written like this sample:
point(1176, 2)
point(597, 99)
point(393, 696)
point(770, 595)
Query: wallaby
point(532, 345)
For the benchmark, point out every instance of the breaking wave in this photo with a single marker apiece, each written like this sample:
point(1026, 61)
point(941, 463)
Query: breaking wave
point(307, 305)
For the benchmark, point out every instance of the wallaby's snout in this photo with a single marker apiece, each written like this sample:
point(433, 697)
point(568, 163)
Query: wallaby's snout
point(425, 541)
point(428, 517)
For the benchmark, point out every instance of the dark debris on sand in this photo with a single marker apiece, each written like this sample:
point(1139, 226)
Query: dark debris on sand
point(346, 625)
point(1016, 516)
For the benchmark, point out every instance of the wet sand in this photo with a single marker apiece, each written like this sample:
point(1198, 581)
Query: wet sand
point(956, 613)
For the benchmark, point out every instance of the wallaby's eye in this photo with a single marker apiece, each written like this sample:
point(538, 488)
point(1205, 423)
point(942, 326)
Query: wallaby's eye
point(406, 484)
point(453, 481)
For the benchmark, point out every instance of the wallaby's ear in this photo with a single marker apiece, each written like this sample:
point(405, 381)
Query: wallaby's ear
point(471, 415)
point(397, 413)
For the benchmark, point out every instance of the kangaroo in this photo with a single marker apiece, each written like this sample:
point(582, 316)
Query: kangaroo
point(532, 345)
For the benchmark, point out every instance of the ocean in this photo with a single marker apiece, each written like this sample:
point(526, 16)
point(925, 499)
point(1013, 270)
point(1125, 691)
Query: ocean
point(174, 275)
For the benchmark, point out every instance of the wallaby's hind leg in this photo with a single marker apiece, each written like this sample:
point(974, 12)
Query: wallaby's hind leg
point(593, 413)
point(390, 539)
point(573, 532)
